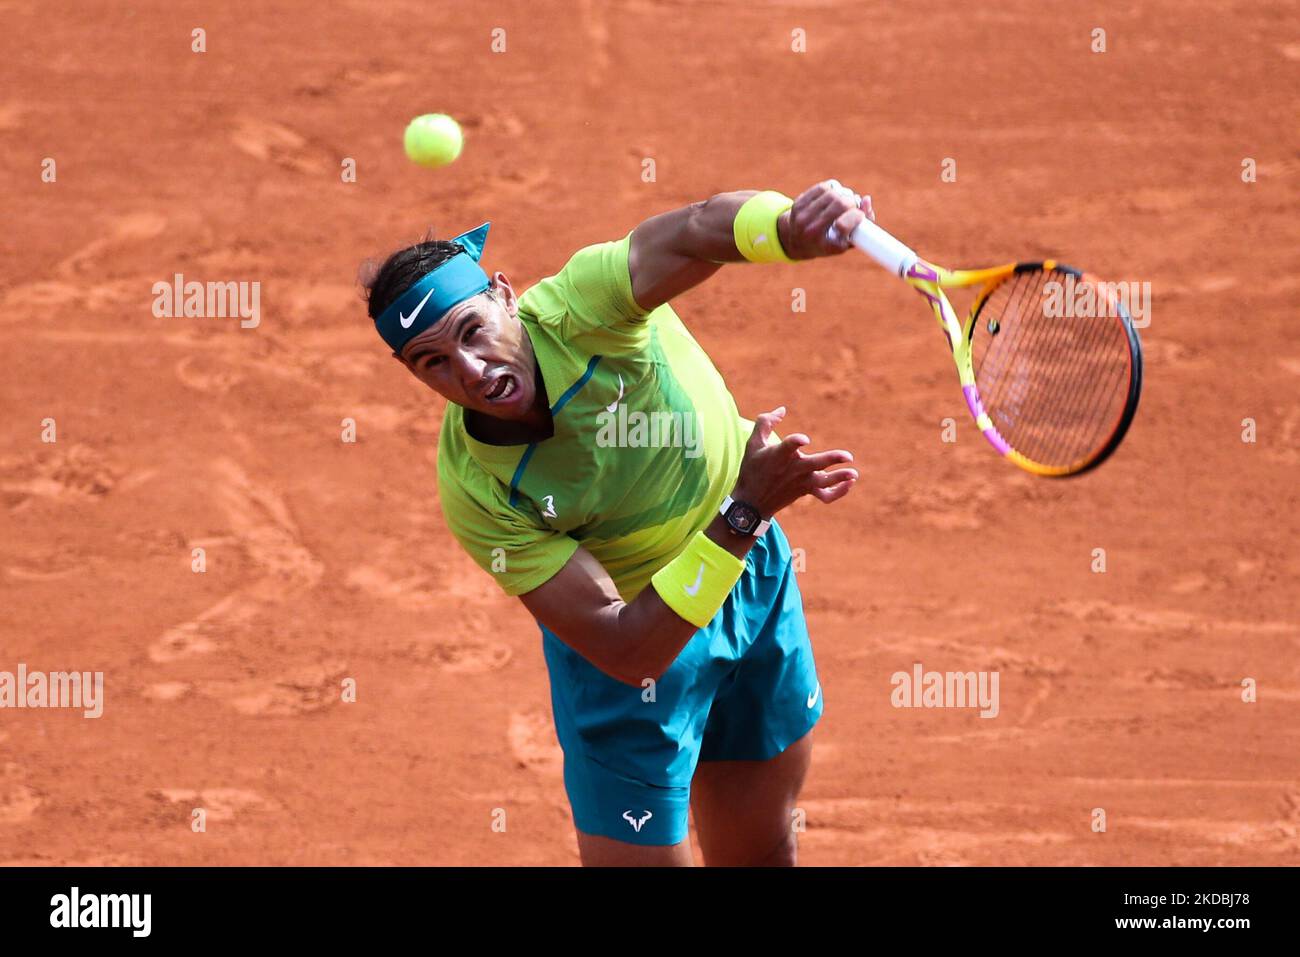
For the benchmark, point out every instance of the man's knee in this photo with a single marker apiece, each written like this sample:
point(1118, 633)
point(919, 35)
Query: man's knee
point(784, 854)
point(780, 852)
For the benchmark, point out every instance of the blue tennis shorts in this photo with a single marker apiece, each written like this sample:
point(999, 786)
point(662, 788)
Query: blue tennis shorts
point(743, 689)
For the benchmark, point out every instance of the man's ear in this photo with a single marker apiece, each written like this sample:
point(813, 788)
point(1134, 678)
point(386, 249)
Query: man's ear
point(502, 285)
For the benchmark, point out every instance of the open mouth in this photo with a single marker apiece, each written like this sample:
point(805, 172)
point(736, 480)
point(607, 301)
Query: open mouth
point(503, 388)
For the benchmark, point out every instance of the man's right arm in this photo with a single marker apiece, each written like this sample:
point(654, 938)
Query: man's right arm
point(632, 641)
point(629, 641)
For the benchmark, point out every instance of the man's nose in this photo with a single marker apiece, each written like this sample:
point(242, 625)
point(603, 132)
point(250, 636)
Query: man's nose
point(471, 369)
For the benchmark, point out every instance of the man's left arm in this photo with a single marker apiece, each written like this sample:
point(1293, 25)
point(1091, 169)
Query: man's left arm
point(675, 251)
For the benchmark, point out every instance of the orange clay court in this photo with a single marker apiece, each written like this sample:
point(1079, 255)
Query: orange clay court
point(328, 560)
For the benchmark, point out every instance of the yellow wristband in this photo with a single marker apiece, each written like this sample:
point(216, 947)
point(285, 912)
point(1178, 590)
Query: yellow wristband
point(755, 227)
point(698, 581)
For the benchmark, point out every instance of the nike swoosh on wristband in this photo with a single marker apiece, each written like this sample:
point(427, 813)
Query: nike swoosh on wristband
point(699, 577)
point(812, 698)
point(407, 320)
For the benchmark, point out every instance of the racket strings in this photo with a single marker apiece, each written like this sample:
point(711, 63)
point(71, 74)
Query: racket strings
point(1074, 349)
point(1058, 382)
point(1053, 386)
point(1007, 383)
point(1105, 377)
point(998, 358)
point(1108, 358)
point(1060, 419)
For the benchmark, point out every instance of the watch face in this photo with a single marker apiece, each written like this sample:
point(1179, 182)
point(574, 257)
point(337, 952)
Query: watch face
point(742, 517)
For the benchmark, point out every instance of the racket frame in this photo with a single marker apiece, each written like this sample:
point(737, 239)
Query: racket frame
point(930, 281)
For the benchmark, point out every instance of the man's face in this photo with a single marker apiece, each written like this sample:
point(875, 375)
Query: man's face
point(478, 355)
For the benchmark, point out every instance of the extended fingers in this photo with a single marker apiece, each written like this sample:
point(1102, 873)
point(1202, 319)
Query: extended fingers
point(765, 422)
point(831, 477)
point(820, 460)
point(837, 491)
point(791, 444)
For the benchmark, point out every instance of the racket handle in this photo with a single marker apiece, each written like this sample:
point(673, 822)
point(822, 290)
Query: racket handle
point(882, 247)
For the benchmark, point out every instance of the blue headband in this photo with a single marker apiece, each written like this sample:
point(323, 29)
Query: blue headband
point(422, 305)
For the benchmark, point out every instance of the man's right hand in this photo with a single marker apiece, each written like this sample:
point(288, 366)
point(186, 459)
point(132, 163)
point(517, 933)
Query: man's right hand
point(775, 473)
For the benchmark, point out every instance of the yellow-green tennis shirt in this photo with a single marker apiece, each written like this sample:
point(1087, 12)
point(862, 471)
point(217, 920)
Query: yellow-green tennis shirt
point(647, 439)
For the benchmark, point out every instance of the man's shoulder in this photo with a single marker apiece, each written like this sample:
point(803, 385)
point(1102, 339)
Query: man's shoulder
point(456, 463)
point(592, 291)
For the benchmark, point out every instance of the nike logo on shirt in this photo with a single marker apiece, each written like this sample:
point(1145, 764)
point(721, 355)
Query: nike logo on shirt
point(613, 406)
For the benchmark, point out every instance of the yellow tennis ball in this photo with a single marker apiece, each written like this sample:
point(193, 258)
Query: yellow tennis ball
point(433, 140)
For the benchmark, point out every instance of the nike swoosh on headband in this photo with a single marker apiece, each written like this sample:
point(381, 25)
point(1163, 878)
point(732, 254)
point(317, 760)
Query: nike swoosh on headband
point(407, 320)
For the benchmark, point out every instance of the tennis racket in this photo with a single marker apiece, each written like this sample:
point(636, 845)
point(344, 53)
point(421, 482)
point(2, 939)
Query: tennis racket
point(1053, 393)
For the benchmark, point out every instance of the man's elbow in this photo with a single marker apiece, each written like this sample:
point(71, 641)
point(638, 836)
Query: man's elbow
point(636, 658)
point(638, 676)
point(634, 668)
point(629, 669)
point(611, 645)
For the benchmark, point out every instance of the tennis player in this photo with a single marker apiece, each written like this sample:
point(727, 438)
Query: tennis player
point(593, 462)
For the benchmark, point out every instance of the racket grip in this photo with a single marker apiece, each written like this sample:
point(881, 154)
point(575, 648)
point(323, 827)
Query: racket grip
point(882, 247)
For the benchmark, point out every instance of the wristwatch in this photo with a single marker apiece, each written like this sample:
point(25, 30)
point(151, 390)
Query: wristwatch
point(742, 518)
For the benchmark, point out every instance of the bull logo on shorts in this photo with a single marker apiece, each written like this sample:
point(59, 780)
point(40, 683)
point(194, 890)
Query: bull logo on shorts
point(636, 822)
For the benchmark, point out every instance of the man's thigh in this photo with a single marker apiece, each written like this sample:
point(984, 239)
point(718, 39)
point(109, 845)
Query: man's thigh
point(744, 816)
point(744, 810)
point(597, 851)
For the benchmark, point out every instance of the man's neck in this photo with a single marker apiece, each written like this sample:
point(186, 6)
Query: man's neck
point(490, 431)
point(536, 426)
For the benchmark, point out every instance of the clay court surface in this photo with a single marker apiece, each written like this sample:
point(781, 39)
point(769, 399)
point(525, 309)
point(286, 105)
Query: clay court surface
point(328, 560)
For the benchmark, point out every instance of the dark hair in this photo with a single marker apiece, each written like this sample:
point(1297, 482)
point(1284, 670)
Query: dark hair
point(402, 270)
